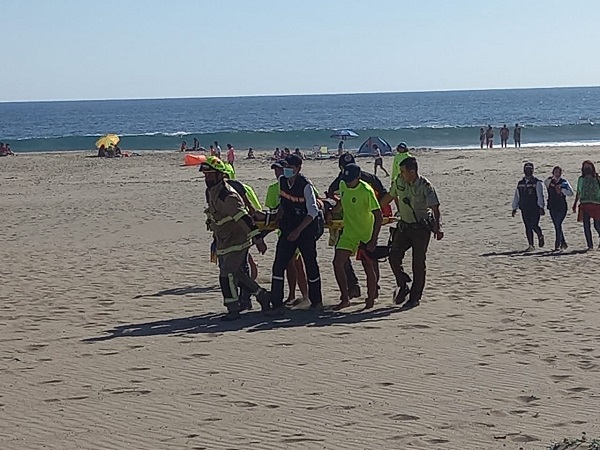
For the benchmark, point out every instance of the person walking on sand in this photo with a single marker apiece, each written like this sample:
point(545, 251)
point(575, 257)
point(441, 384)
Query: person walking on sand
point(504, 134)
point(295, 270)
point(529, 198)
point(378, 160)
point(420, 217)
point(558, 191)
point(380, 191)
point(481, 137)
point(230, 154)
point(588, 197)
point(517, 135)
point(301, 225)
point(217, 150)
point(401, 154)
point(362, 223)
point(489, 137)
point(235, 233)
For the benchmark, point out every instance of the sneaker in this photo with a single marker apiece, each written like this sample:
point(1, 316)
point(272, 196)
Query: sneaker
point(316, 307)
point(541, 241)
point(264, 299)
point(301, 303)
point(354, 292)
point(530, 248)
point(400, 294)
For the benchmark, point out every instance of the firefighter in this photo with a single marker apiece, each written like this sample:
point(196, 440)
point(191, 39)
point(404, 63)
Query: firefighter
point(235, 233)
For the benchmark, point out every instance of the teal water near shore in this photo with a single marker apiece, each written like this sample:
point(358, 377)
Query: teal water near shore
point(426, 119)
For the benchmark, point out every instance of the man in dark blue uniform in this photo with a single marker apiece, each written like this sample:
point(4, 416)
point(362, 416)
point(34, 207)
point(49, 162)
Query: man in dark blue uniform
point(529, 198)
point(300, 223)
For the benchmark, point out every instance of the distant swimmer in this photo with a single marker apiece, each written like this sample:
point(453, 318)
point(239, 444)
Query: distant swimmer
point(489, 137)
point(529, 198)
point(504, 134)
point(517, 135)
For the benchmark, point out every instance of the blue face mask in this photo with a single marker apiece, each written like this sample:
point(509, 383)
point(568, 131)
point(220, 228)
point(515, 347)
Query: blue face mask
point(288, 172)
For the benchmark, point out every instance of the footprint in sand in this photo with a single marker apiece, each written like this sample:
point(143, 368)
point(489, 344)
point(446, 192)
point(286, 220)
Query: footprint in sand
point(578, 389)
point(244, 404)
point(528, 398)
point(405, 417)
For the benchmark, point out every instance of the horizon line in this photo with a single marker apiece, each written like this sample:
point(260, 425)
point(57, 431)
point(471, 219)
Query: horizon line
point(297, 95)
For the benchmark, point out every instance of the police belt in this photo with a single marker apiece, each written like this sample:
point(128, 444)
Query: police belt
point(421, 225)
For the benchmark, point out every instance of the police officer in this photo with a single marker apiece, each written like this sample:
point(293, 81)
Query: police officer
point(300, 223)
point(235, 233)
point(419, 210)
point(529, 198)
point(380, 191)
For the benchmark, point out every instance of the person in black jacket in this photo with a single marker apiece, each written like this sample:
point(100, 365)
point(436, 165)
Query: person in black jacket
point(380, 191)
point(300, 223)
point(529, 198)
point(558, 191)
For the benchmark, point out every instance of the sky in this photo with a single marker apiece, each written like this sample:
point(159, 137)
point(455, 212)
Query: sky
point(74, 49)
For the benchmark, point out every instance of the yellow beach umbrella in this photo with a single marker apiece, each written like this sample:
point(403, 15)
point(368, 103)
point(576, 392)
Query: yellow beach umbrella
point(108, 140)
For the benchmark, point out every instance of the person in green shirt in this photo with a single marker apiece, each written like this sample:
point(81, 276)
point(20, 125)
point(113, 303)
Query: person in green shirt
point(401, 154)
point(295, 269)
point(588, 196)
point(362, 223)
point(419, 218)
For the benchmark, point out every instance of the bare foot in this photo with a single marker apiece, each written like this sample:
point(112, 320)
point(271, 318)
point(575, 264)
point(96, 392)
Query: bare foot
point(341, 305)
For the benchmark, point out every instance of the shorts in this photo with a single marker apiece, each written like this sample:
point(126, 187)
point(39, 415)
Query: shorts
point(348, 242)
point(379, 162)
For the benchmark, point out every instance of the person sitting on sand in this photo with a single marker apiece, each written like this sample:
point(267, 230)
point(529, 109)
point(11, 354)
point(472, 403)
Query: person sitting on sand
point(110, 152)
point(250, 153)
point(277, 154)
point(118, 153)
point(3, 150)
point(183, 147)
point(299, 153)
point(102, 151)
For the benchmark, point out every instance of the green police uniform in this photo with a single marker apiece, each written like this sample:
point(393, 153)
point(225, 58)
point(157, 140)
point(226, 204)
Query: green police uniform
point(413, 231)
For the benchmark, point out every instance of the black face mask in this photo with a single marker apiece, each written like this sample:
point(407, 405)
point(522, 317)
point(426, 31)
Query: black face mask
point(587, 171)
point(528, 173)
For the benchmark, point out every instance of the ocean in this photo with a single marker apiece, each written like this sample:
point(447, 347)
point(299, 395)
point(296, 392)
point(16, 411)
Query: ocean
point(552, 116)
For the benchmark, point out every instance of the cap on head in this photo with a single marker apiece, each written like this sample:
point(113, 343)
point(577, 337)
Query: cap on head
point(293, 160)
point(402, 146)
point(528, 165)
point(346, 159)
point(351, 172)
point(278, 164)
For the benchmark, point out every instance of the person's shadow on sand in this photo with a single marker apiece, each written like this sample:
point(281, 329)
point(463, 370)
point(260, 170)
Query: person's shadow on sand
point(544, 253)
point(251, 322)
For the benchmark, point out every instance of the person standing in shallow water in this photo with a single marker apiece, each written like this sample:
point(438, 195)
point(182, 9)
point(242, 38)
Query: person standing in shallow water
point(504, 134)
point(489, 137)
point(558, 191)
point(517, 135)
point(588, 196)
point(481, 137)
point(529, 198)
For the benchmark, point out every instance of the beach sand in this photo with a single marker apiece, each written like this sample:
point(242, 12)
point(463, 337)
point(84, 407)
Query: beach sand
point(110, 338)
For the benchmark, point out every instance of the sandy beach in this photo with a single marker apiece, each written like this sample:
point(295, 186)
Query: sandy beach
point(110, 335)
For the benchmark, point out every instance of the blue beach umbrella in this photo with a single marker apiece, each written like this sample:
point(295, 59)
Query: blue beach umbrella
point(344, 134)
